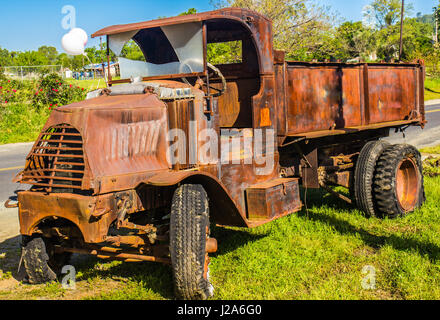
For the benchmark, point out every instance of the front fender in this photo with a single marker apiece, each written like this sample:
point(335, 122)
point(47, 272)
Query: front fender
point(223, 210)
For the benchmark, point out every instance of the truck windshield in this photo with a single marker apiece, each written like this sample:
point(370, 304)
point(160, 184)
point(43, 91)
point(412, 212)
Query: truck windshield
point(168, 50)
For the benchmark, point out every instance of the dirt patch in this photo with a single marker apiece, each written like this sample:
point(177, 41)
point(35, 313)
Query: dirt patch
point(431, 166)
point(364, 251)
point(8, 284)
point(13, 286)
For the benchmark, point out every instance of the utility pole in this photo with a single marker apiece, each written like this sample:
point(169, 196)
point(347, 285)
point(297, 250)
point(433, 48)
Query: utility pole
point(401, 30)
point(436, 17)
point(436, 30)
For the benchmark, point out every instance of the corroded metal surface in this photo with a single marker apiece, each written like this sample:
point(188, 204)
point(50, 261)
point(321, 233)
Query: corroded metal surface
point(332, 97)
point(407, 184)
point(35, 207)
point(269, 200)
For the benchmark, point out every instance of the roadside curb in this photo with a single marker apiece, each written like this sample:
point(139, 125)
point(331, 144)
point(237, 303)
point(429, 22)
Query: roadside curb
point(432, 102)
point(4, 210)
point(11, 146)
point(429, 155)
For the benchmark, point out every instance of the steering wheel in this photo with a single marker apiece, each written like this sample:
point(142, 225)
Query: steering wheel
point(213, 68)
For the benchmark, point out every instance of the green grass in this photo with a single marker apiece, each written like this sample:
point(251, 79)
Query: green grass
point(432, 88)
point(318, 253)
point(89, 85)
point(432, 150)
point(20, 122)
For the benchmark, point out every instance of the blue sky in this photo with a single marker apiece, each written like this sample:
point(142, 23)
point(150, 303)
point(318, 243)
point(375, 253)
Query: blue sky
point(29, 24)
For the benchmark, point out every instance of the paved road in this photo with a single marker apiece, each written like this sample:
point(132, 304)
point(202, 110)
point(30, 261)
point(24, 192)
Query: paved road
point(428, 137)
point(12, 160)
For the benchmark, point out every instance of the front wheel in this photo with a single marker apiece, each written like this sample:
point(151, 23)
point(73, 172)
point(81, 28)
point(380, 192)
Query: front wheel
point(398, 183)
point(40, 261)
point(189, 231)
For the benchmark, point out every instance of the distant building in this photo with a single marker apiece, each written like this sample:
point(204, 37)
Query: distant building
point(95, 70)
point(68, 74)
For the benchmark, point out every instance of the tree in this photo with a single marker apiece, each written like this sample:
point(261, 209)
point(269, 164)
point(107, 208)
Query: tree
point(189, 11)
point(434, 57)
point(300, 27)
point(354, 41)
point(50, 53)
point(30, 58)
point(386, 13)
point(5, 57)
point(132, 51)
point(417, 41)
point(436, 18)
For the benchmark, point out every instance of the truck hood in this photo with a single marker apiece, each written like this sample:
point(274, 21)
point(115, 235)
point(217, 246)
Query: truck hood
point(123, 142)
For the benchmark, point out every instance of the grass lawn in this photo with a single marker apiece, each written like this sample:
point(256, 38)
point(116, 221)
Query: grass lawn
point(432, 89)
point(21, 123)
point(317, 253)
point(89, 85)
point(432, 150)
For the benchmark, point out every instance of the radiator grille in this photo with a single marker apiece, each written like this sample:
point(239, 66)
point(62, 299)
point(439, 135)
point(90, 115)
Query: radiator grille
point(57, 161)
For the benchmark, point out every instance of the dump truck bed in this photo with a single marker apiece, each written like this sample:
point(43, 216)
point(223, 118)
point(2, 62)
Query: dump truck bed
point(320, 99)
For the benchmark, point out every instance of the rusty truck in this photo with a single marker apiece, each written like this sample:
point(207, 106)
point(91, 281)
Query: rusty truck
point(106, 181)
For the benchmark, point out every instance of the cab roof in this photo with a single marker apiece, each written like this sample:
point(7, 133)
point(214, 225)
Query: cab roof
point(227, 13)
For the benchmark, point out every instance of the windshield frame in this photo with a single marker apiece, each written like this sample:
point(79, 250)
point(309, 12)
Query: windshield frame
point(204, 73)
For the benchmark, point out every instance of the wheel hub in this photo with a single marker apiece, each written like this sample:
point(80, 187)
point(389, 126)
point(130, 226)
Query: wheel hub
point(407, 184)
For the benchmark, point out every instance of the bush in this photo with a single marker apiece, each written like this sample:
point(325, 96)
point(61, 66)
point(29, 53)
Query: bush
point(25, 105)
point(21, 123)
point(53, 91)
point(13, 91)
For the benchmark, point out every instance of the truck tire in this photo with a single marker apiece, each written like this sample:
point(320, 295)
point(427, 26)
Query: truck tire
point(364, 175)
point(36, 261)
point(398, 183)
point(189, 228)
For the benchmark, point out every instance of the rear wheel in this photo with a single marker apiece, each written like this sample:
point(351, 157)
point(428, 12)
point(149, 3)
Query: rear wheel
point(189, 230)
point(398, 184)
point(364, 175)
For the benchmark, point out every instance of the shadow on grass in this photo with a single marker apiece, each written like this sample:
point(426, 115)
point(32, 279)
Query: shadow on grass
point(154, 276)
point(149, 275)
point(319, 197)
point(230, 240)
point(12, 250)
point(430, 90)
point(374, 241)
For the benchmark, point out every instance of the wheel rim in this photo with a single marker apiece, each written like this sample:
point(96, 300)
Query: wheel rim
point(206, 266)
point(407, 184)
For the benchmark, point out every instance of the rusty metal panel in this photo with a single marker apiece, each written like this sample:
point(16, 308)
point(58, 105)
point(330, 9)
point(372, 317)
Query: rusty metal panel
point(123, 143)
point(181, 113)
point(36, 206)
point(272, 199)
point(322, 98)
point(393, 93)
point(281, 104)
point(330, 96)
point(131, 135)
